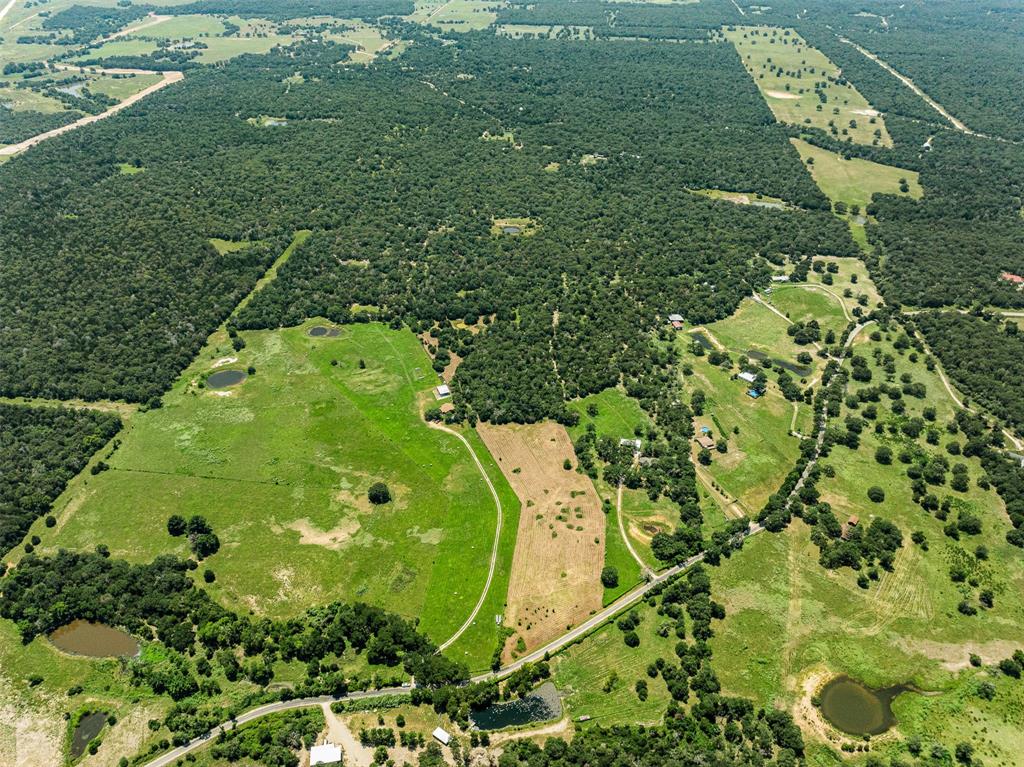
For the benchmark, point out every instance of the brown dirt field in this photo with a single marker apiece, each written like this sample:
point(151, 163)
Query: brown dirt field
point(555, 581)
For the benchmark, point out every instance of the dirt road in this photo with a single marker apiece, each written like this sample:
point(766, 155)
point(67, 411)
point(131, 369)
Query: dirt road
point(168, 79)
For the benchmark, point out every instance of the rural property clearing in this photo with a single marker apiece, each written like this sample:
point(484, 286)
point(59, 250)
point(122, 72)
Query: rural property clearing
point(803, 87)
point(555, 581)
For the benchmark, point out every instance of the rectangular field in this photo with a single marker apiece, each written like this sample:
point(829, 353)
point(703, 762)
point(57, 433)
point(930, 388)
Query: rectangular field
point(555, 581)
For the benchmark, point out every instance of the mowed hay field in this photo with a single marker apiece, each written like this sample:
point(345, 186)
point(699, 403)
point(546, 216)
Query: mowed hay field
point(555, 581)
point(280, 466)
point(791, 74)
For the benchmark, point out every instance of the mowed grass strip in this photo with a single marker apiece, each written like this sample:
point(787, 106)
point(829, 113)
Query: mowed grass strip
point(280, 465)
point(803, 87)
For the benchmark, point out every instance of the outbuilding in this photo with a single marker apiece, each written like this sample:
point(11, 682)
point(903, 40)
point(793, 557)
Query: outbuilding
point(443, 391)
point(328, 753)
point(705, 442)
point(675, 318)
point(442, 737)
point(747, 376)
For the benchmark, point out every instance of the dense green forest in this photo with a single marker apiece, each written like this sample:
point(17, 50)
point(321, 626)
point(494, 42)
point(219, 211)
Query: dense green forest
point(984, 357)
point(17, 126)
point(41, 449)
point(652, 21)
point(402, 189)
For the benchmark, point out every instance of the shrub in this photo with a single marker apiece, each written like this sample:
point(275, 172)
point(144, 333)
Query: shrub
point(876, 494)
point(610, 577)
point(379, 493)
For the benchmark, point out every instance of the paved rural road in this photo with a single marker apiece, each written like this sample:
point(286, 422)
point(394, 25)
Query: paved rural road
point(497, 538)
point(598, 619)
point(168, 78)
point(255, 713)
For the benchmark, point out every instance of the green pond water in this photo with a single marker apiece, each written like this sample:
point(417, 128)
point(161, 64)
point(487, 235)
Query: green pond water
point(853, 708)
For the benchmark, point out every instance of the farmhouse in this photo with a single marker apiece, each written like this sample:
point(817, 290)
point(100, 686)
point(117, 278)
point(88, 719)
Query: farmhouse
point(1016, 279)
point(676, 325)
point(705, 441)
point(443, 737)
point(328, 753)
point(633, 443)
point(442, 391)
point(675, 318)
point(747, 376)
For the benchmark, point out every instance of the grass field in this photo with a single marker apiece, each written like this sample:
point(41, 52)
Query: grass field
point(618, 415)
point(754, 326)
point(584, 670)
point(802, 304)
point(744, 198)
point(121, 88)
point(466, 15)
point(280, 467)
point(762, 453)
point(791, 74)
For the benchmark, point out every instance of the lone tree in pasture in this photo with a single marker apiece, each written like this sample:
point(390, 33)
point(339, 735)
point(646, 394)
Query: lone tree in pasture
point(378, 493)
point(610, 577)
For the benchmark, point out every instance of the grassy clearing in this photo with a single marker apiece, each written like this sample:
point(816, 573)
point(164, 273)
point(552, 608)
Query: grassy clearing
point(853, 274)
point(744, 198)
point(508, 226)
point(762, 453)
point(543, 31)
point(584, 670)
point(794, 78)
point(121, 88)
point(754, 326)
point(25, 100)
point(280, 468)
point(618, 415)
point(466, 15)
point(803, 304)
point(852, 183)
point(181, 27)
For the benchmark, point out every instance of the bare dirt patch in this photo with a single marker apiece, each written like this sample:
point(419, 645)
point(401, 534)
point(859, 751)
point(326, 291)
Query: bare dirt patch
point(555, 581)
point(956, 656)
point(335, 538)
point(782, 95)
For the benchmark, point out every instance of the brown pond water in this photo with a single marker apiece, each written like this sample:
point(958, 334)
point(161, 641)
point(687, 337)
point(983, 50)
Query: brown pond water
point(89, 726)
point(853, 708)
point(94, 640)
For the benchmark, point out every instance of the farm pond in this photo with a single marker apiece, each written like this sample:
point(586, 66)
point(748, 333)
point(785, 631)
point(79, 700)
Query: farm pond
point(94, 640)
point(89, 726)
point(856, 709)
point(224, 378)
point(541, 705)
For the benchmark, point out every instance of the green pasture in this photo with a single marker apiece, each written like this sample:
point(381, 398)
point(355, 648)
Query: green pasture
point(790, 623)
point(744, 198)
point(854, 181)
point(180, 27)
point(466, 15)
point(802, 304)
point(755, 326)
point(484, 634)
point(618, 415)
point(763, 452)
point(280, 468)
point(25, 100)
point(121, 88)
point(843, 279)
point(582, 673)
point(790, 90)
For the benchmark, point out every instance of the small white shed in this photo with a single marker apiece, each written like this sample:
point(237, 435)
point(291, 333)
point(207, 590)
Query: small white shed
point(328, 753)
point(442, 737)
